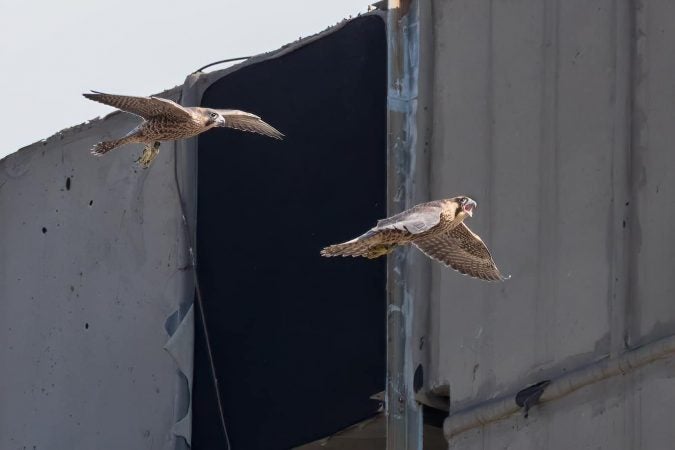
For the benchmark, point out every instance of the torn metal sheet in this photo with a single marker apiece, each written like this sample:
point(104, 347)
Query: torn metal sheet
point(181, 348)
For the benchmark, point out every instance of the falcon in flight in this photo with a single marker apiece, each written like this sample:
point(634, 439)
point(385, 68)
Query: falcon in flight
point(168, 121)
point(437, 228)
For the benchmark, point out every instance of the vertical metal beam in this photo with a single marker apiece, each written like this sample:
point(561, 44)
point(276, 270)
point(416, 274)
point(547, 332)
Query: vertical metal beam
point(404, 414)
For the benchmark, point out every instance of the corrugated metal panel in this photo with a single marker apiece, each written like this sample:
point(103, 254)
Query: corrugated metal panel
point(651, 309)
point(557, 117)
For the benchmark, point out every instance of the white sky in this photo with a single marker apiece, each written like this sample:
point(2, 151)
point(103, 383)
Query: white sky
point(51, 51)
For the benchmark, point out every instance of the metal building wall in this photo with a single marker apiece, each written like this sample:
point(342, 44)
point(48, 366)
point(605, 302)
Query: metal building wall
point(93, 273)
point(557, 117)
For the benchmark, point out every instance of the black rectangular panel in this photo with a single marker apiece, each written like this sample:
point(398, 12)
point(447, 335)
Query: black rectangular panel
point(299, 340)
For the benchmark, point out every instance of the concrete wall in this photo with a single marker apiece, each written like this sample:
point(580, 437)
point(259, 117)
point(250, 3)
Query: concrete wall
point(557, 117)
point(93, 265)
point(627, 412)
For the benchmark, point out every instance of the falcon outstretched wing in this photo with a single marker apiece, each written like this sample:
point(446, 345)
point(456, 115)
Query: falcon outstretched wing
point(244, 121)
point(145, 107)
point(462, 250)
point(415, 220)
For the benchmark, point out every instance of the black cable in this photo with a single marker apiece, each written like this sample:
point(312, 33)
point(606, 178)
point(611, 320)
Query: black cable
point(200, 302)
point(201, 69)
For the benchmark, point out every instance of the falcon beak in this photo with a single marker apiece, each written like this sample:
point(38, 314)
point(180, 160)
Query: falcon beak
point(469, 206)
point(220, 121)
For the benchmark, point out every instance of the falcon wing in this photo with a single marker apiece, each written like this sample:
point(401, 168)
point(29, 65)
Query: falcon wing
point(415, 220)
point(462, 250)
point(145, 107)
point(244, 121)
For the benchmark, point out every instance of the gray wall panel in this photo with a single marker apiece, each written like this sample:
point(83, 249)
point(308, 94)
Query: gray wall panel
point(654, 165)
point(83, 305)
point(601, 416)
point(517, 127)
point(557, 117)
point(583, 151)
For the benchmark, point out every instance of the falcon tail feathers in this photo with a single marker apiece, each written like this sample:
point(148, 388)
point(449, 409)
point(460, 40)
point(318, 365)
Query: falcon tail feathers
point(351, 248)
point(105, 146)
point(356, 248)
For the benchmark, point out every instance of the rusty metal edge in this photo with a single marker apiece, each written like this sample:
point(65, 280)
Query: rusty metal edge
point(404, 413)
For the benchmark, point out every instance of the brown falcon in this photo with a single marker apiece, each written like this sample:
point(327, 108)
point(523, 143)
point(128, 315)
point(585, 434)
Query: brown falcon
point(437, 229)
point(168, 121)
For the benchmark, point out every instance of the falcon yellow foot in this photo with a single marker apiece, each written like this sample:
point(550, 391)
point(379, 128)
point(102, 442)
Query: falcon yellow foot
point(380, 250)
point(149, 154)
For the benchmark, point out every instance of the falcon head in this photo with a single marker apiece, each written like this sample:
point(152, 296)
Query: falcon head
point(212, 118)
point(465, 206)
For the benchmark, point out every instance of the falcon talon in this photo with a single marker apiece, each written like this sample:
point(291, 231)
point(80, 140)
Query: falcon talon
point(149, 154)
point(437, 228)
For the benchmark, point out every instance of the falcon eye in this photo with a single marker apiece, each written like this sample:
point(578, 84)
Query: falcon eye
point(462, 201)
point(214, 115)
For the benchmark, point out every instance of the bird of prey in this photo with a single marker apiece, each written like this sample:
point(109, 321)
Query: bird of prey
point(168, 121)
point(437, 228)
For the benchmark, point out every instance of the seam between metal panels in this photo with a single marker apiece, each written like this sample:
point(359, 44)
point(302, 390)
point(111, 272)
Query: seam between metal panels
point(618, 235)
point(503, 407)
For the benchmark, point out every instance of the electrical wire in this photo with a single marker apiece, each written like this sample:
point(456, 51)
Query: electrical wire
point(201, 69)
point(200, 302)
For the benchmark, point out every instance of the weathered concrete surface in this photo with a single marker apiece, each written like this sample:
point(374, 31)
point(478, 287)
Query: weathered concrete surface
point(556, 116)
point(93, 264)
point(538, 163)
point(628, 412)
